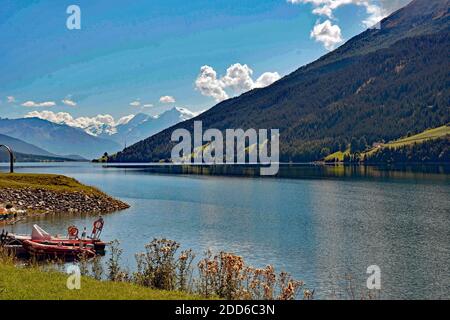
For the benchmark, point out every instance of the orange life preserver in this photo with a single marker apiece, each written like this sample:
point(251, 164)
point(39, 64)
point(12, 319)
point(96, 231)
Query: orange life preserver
point(73, 231)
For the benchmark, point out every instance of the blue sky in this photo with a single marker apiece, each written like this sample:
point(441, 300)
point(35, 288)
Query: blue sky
point(140, 50)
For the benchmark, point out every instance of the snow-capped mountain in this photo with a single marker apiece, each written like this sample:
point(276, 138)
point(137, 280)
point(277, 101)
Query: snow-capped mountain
point(142, 126)
point(58, 139)
point(125, 131)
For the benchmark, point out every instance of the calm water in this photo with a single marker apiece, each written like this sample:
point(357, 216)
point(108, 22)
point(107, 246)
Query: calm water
point(317, 229)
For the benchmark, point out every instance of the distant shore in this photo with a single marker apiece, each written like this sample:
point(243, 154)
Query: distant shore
point(305, 170)
point(29, 194)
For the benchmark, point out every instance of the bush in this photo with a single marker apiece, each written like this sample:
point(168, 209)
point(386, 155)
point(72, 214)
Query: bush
point(227, 276)
point(115, 273)
point(159, 267)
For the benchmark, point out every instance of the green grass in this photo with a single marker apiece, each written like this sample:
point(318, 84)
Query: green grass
point(44, 181)
point(426, 135)
point(430, 134)
point(421, 137)
point(339, 155)
point(33, 284)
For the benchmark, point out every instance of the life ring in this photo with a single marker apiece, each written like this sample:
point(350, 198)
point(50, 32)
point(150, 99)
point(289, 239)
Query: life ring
point(73, 231)
point(98, 225)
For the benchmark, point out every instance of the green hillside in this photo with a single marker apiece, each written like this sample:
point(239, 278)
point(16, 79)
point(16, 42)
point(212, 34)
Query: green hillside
point(421, 137)
point(426, 135)
point(378, 86)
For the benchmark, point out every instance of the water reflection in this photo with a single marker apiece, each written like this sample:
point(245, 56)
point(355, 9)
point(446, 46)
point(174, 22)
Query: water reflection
point(335, 220)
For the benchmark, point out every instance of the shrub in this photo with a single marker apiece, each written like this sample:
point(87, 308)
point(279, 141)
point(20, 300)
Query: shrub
point(227, 276)
point(115, 273)
point(159, 267)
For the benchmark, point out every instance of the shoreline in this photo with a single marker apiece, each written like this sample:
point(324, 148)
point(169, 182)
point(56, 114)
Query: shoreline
point(36, 194)
point(310, 170)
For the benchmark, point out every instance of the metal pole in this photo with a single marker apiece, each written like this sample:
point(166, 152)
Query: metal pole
point(11, 157)
point(11, 162)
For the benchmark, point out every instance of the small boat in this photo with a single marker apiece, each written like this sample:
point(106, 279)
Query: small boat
point(57, 250)
point(39, 235)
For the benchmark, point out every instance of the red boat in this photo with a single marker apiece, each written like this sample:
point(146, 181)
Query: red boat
point(52, 250)
point(41, 243)
point(39, 235)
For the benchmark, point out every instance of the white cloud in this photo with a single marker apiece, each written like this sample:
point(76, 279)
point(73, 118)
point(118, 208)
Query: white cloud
point(32, 104)
point(238, 79)
point(266, 79)
point(167, 99)
point(148, 105)
point(10, 99)
point(208, 84)
point(327, 33)
point(69, 102)
point(376, 10)
point(327, 7)
point(102, 123)
point(135, 103)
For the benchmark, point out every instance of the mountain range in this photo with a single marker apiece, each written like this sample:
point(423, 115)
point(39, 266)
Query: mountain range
point(57, 139)
point(142, 125)
point(383, 84)
point(32, 136)
point(18, 145)
point(26, 152)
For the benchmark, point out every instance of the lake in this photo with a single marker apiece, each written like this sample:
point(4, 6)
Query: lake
point(327, 223)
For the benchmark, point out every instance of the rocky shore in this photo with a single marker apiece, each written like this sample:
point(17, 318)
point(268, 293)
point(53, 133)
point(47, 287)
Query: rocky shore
point(46, 201)
point(45, 194)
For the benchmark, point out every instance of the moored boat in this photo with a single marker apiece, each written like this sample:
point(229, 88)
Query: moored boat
point(40, 242)
point(57, 250)
point(39, 235)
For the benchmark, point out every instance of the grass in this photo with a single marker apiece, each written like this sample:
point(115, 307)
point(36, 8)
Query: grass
point(339, 155)
point(32, 283)
point(421, 137)
point(426, 135)
point(50, 182)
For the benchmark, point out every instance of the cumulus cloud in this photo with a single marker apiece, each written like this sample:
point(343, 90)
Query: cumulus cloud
point(32, 104)
point(69, 102)
point(148, 105)
point(238, 79)
point(10, 99)
point(266, 79)
point(67, 118)
point(167, 99)
point(376, 10)
point(328, 34)
point(327, 7)
point(102, 123)
point(208, 84)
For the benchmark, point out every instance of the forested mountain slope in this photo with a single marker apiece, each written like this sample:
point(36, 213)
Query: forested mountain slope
point(380, 85)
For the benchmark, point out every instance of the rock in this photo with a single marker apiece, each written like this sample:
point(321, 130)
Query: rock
point(60, 202)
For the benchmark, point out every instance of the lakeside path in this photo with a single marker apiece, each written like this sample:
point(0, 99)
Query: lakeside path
point(48, 193)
